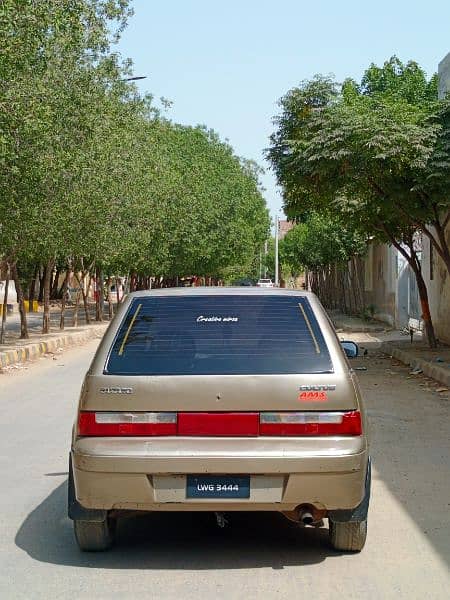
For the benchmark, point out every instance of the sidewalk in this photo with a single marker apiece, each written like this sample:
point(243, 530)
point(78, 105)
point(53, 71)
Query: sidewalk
point(422, 359)
point(15, 350)
point(433, 363)
point(355, 324)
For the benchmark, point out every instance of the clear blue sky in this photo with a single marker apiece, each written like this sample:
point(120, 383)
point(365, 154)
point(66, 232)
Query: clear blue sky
point(225, 64)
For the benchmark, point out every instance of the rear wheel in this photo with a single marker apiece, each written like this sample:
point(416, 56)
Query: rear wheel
point(349, 536)
point(94, 536)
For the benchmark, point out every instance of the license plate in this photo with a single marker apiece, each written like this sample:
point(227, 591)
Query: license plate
point(217, 486)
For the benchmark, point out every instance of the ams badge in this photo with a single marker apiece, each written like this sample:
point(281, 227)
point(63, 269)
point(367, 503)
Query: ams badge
point(314, 393)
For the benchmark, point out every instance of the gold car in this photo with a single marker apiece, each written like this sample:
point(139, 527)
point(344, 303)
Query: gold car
point(220, 399)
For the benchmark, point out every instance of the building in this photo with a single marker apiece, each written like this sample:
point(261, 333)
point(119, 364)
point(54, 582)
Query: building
point(444, 76)
point(283, 228)
point(434, 271)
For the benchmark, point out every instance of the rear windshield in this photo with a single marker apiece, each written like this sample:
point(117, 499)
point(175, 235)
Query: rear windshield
point(219, 335)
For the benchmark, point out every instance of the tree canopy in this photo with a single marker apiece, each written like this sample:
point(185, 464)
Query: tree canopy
point(320, 241)
point(376, 153)
point(92, 174)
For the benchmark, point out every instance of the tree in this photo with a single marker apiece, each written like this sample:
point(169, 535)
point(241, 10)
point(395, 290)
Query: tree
point(53, 54)
point(322, 246)
point(320, 241)
point(93, 179)
point(376, 153)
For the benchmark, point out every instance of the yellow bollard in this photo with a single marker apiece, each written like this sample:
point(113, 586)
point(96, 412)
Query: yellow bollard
point(31, 308)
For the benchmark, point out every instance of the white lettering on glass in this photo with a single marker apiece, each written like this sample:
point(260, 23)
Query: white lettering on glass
point(215, 319)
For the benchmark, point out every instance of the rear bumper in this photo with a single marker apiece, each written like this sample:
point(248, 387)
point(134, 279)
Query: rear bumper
point(150, 474)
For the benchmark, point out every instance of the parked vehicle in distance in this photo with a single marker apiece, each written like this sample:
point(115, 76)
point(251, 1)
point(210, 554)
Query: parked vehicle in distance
point(244, 282)
point(265, 283)
point(220, 399)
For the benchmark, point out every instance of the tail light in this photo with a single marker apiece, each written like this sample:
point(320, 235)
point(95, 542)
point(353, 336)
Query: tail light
point(219, 424)
point(127, 424)
point(310, 423)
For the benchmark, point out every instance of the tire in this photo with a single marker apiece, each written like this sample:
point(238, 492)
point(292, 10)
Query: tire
point(94, 536)
point(349, 536)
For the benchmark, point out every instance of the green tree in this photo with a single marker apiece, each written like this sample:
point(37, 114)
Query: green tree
point(92, 178)
point(376, 153)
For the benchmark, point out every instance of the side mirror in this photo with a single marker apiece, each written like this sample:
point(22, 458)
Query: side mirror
point(350, 348)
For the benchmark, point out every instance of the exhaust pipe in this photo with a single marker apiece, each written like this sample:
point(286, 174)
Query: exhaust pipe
point(307, 514)
point(306, 518)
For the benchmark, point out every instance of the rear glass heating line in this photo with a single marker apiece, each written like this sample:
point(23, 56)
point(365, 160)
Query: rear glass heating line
point(122, 347)
point(310, 328)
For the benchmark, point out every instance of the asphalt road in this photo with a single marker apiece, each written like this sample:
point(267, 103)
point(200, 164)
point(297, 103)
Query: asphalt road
point(182, 556)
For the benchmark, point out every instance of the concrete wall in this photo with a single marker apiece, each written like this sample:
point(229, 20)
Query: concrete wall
point(12, 296)
point(438, 283)
point(435, 273)
point(390, 286)
point(444, 76)
point(379, 282)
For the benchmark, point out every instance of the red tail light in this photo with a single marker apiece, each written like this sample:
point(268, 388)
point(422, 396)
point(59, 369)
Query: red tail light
point(298, 424)
point(218, 424)
point(127, 424)
point(310, 423)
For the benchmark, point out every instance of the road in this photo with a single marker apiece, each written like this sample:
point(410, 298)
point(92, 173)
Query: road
point(258, 556)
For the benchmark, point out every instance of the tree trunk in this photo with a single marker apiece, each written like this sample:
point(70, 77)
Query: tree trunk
point(75, 309)
point(426, 316)
point(358, 309)
point(110, 306)
point(54, 285)
point(133, 286)
point(101, 291)
point(5, 304)
point(117, 291)
point(98, 295)
point(32, 288)
point(47, 283)
point(359, 283)
point(84, 295)
point(414, 263)
point(63, 298)
point(23, 315)
point(344, 307)
point(42, 276)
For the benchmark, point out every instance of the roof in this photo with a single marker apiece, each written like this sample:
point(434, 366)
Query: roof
point(221, 291)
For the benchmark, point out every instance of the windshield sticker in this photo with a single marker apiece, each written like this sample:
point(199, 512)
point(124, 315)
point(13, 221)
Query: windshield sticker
point(215, 319)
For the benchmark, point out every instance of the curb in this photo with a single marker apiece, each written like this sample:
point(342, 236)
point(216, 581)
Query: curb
point(358, 328)
point(36, 349)
point(429, 369)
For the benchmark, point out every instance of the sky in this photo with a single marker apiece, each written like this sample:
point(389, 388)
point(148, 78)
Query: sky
point(226, 64)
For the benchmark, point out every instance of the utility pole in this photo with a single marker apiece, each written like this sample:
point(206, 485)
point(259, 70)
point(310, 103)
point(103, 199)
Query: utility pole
point(277, 282)
point(265, 259)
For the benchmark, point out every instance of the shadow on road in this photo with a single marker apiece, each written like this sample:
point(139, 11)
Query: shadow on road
point(175, 540)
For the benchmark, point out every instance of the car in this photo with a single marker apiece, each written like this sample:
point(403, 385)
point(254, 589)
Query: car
point(244, 282)
point(265, 283)
point(221, 399)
